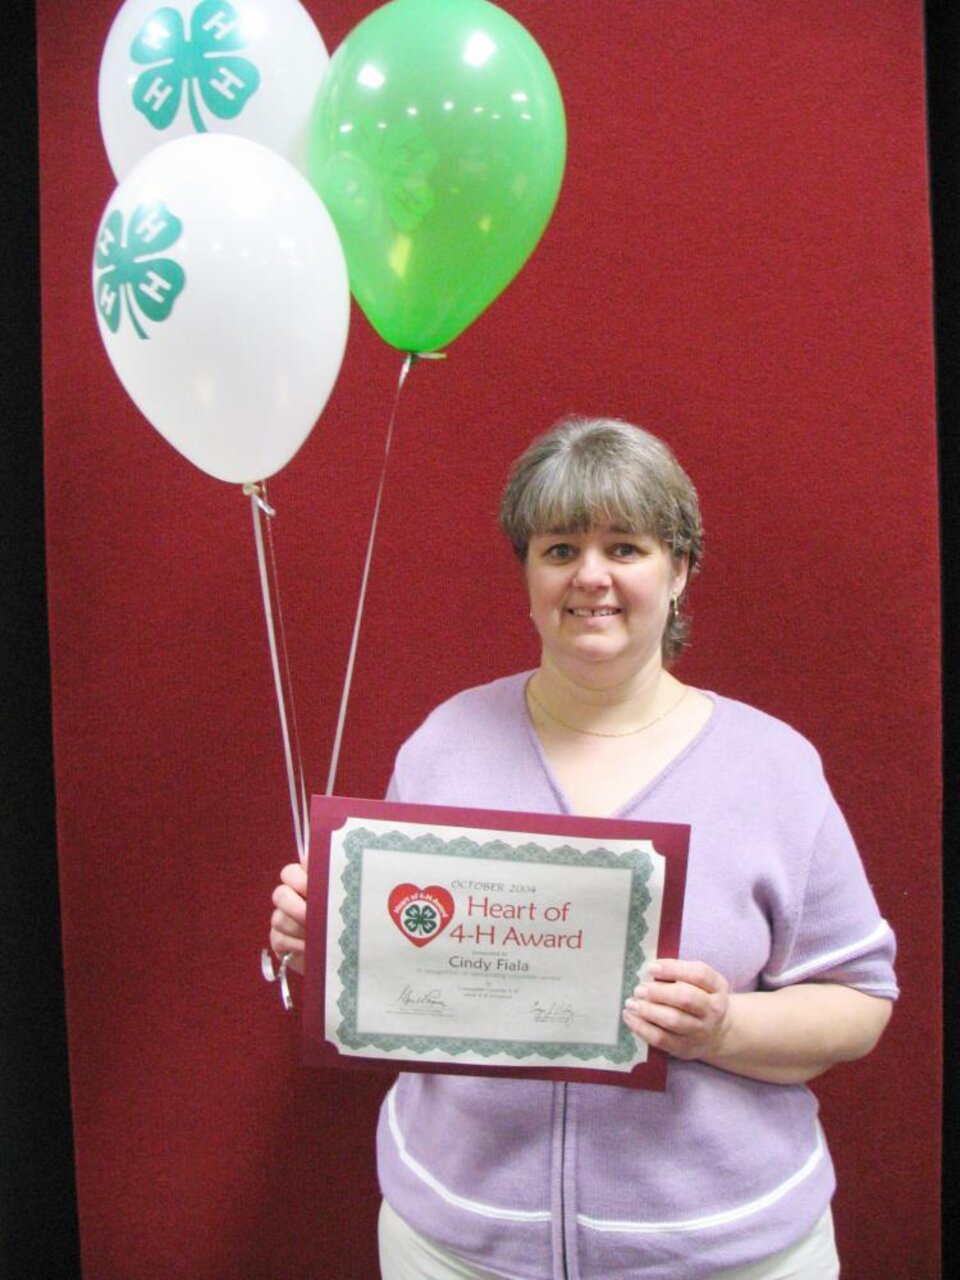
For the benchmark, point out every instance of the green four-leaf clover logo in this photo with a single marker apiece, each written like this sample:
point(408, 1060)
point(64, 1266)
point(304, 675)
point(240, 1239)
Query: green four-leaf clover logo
point(208, 59)
point(398, 162)
point(131, 272)
point(405, 163)
point(420, 919)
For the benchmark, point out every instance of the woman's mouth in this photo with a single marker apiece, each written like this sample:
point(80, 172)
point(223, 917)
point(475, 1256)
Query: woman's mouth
point(605, 611)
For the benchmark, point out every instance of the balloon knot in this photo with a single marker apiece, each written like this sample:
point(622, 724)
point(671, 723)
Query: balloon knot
point(259, 494)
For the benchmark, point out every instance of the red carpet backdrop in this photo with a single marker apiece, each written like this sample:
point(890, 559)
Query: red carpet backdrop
point(740, 260)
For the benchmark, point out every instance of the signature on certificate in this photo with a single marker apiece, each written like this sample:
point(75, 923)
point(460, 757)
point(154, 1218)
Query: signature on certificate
point(555, 1011)
point(410, 999)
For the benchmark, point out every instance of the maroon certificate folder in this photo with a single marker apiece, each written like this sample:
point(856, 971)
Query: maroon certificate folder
point(486, 942)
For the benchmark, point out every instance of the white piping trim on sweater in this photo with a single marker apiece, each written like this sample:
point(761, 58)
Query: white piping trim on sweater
point(715, 1219)
point(451, 1197)
point(819, 963)
point(602, 1224)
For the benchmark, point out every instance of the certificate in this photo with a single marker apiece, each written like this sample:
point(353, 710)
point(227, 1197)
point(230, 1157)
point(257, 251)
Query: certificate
point(490, 942)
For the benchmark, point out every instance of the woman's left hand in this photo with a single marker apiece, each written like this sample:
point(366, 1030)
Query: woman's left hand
point(683, 1007)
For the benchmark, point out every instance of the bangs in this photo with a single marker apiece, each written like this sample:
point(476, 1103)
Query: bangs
point(572, 497)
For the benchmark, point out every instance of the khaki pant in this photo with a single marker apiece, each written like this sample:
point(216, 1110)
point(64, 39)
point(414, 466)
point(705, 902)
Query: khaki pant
point(407, 1255)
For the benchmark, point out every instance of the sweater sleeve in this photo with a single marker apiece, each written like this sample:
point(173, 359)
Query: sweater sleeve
point(834, 932)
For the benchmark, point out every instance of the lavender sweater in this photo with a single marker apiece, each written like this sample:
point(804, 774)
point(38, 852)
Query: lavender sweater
point(539, 1180)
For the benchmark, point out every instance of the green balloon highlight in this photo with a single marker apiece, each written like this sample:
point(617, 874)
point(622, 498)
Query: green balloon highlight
point(437, 144)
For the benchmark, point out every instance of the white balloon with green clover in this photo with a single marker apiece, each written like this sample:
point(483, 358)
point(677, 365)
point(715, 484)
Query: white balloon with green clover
point(249, 68)
point(222, 299)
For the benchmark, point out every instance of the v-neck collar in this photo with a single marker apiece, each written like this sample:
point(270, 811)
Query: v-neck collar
point(647, 789)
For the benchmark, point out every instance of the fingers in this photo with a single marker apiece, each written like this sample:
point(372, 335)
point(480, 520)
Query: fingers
point(680, 1007)
point(696, 972)
point(677, 1002)
point(286, 939)
point(658, 1037)
point(282, 942)
point(282, 945)
point(290, 903)
point(673, 1018)
point(674, 1003)
point(288, 927)
point(295, 876)
point(668, 1029)
point(288, 921)
point(688, 985)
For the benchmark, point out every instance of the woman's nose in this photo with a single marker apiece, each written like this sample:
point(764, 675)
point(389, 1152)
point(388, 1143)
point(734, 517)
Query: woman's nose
point(592, 572)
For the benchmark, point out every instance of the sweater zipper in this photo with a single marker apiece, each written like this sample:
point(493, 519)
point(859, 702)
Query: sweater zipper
point(563, 1179)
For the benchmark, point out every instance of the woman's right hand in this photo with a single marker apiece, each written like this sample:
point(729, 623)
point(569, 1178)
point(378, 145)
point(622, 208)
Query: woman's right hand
point(287, 924)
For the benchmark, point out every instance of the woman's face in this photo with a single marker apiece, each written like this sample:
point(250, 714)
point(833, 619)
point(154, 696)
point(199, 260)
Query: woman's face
point(601, 597)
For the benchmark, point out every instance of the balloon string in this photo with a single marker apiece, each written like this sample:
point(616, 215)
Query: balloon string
point(295, 728)
point(408, 364)
point(260, 508)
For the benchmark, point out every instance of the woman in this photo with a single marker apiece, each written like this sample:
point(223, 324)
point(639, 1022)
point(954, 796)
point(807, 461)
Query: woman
point(785, 964)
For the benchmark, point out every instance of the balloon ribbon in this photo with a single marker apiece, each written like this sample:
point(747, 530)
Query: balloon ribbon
point(262, 513)
point(270, 589)
point(409, 362)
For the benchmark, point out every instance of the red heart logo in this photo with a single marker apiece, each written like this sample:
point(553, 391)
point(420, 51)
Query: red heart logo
point(420, 914)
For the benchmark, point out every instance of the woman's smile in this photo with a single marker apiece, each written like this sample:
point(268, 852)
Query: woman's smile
point(604, 611)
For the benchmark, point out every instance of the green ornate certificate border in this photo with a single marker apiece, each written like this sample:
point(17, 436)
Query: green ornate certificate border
point(357, 841)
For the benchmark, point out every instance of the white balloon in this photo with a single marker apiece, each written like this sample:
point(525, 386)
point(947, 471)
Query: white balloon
point(222, 298)
point(169, 68)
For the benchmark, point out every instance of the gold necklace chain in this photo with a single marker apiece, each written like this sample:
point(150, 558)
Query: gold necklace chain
point(599, 733)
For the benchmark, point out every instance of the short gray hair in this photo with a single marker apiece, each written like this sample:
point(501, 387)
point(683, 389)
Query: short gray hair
point(592, 471)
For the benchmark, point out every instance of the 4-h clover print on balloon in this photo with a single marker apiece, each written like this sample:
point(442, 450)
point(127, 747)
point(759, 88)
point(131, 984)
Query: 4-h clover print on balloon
point(131, 274)
point(251, 68)
point(207, 62)
point(222, 300)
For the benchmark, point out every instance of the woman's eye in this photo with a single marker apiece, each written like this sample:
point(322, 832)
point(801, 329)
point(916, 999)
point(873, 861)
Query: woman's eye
point(560, 551)
point(626, 550)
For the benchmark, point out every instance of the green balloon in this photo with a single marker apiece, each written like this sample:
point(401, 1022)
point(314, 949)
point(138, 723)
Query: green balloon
point(437, 144)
